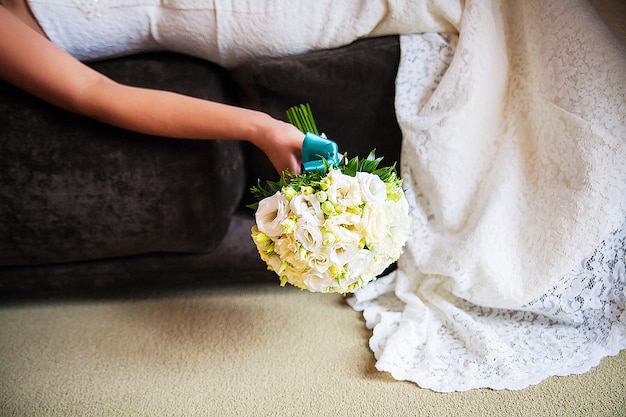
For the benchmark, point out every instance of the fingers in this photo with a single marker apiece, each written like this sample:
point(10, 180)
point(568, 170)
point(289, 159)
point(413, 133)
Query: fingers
point(286, 161)
point(282, 143)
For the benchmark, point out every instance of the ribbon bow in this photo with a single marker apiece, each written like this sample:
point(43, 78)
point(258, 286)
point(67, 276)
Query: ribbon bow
point(316, 149)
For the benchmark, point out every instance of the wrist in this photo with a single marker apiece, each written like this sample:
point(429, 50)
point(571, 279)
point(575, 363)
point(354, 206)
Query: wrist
point(261, 130)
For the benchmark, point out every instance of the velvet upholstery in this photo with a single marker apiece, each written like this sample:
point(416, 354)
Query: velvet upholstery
point(89, 207)
point(73, 189)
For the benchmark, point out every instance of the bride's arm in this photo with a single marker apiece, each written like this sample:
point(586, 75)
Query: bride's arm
point(33, 63)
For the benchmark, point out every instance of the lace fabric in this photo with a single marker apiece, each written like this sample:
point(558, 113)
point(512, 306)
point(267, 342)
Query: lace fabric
point(449, 344)
point(514, 142)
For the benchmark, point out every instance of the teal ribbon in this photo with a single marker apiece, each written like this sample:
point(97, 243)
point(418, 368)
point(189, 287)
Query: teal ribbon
point(316, 149)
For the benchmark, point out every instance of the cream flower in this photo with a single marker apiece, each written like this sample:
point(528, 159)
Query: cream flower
point(342, 253)
point(373, 189)
point(344, 189)
point(274, 263)
point(270, 214)
point(319, 261)
point(317, 281)
point(375, 226)
point(399, 220)
point(307, 205)
point(345, 227)
point(308, 233)
point(286, 244)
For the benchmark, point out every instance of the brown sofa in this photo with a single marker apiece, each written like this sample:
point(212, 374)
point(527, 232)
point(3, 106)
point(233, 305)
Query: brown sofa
point(86, 208)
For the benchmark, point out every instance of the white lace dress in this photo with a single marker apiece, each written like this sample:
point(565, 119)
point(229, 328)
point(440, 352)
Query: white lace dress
point(514, 154)
point(514, 157)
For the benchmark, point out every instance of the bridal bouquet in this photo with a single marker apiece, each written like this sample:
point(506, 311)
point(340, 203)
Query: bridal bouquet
point(334, 227)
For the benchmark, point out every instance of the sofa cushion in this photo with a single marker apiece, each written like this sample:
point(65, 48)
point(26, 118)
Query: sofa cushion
point(73, 189)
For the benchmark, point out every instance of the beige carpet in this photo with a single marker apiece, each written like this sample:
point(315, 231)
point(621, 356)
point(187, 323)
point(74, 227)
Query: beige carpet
point(242, 351)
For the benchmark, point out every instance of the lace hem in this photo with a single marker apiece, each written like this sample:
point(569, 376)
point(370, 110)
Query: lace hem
point(452, 345)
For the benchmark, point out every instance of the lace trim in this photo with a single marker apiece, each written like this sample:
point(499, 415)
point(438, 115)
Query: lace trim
point(458, 346)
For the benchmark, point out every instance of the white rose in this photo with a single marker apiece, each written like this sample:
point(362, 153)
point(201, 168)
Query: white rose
point(307, 206)
point(317, 281)
point(308, 233)
point(379, 267)
point(361, 264)
point(373, 188)
point(285, 245)
point(374, 225)
point(344, 189)
point(399, 220)
point(341, 254)
point(345, 227)
point(270, 214)
point(318, 261)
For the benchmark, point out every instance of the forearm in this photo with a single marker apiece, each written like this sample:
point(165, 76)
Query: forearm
point(173, 115)
point(169, 114)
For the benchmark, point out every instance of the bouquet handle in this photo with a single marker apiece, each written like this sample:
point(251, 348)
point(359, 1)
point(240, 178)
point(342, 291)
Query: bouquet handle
point(318, 152)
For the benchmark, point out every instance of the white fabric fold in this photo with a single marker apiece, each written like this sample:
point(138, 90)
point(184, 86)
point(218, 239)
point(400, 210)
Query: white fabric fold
point(229, 32)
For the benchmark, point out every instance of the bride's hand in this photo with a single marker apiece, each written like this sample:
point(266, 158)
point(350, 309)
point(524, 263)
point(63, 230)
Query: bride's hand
point(282, 143)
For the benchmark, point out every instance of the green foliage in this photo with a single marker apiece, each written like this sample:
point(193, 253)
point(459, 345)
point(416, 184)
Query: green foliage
point(370, 165)
point(312, 179)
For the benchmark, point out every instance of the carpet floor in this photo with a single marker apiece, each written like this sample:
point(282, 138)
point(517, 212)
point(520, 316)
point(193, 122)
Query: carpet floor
point(255, 350)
